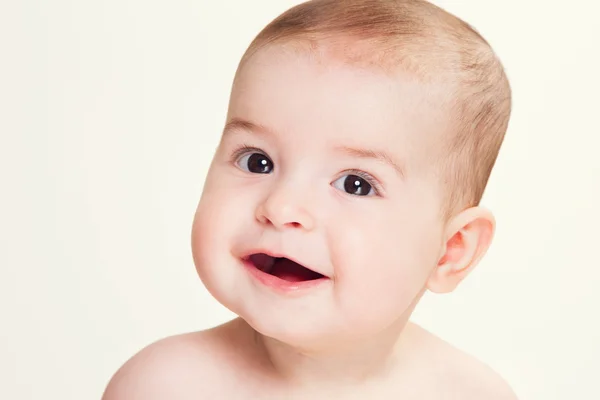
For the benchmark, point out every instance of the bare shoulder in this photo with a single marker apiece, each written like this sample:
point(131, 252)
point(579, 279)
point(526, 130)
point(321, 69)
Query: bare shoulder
point(460, 375)
point(180, 366)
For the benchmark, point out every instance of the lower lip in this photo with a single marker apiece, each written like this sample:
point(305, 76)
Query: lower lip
point(282, 285)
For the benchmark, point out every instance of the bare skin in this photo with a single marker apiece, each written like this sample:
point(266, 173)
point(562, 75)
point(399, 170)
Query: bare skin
point(325, 165)
point(230, 362)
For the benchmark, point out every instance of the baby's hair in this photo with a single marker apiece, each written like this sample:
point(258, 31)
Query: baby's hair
point(432, 45)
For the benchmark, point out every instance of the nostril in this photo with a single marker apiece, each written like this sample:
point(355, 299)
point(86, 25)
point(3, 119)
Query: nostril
point(282, 215)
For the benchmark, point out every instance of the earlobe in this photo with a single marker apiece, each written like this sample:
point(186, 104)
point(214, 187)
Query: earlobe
point(469, 236)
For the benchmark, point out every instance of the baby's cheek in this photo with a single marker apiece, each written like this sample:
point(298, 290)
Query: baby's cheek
point(211, 244)
point(380, 256)
point(375, 284)
point(224, 212)
point(210, 219)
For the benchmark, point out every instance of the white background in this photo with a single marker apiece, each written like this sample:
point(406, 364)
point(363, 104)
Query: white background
point(109, 114)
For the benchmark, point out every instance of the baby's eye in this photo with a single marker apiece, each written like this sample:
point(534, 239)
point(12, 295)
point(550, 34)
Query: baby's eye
point(257, 163)
point(354, 184)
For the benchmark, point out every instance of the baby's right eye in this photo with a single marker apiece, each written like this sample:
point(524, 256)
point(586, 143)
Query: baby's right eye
point(256, 163)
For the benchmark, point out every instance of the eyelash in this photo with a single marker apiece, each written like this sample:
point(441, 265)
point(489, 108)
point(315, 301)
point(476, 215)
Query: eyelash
point(367, 177)
point(244, 149)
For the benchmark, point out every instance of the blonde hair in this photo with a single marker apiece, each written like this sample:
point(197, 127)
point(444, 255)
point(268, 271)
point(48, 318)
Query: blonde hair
point(433, 45)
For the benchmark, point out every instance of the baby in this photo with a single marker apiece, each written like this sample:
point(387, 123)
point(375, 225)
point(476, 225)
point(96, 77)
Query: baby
point(359, 139)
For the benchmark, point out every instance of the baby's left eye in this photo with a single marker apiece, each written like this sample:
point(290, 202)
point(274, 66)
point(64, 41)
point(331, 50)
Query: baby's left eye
point(355, 185)
point(256, 163)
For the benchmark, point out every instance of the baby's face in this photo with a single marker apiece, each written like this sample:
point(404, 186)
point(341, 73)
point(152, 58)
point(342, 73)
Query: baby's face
point(323, 164)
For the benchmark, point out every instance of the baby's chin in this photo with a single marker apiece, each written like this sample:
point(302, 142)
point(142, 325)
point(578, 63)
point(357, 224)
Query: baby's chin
point(274, 321)
point(301, 337)
point(310, 333)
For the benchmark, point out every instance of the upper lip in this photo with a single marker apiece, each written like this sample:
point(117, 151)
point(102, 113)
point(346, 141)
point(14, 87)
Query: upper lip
point(274, 254)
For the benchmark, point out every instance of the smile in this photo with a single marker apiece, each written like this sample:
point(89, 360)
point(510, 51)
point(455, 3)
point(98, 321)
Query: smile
point(282, 272)
point(283, 268)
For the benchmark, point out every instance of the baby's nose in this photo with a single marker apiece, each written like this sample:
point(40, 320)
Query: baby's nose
point(284, 208)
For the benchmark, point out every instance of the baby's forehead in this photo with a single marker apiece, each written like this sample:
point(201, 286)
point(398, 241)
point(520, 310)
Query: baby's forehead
point(330, 80)
point(348, 54)
point(420, 86)
point(411, 56)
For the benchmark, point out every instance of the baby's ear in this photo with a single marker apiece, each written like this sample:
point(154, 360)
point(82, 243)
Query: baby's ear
point(468, 237)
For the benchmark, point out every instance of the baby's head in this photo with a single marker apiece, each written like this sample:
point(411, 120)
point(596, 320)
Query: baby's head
point(359, 140)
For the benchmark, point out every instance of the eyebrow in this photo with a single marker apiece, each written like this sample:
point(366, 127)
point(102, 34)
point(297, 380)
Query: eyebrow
point(378, 155)
point(241, 124)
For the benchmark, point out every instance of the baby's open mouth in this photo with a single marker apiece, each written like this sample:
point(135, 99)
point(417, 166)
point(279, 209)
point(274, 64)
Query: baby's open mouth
point(283, 268)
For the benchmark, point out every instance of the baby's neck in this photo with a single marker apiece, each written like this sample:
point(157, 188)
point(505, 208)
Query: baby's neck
point(371, 361)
